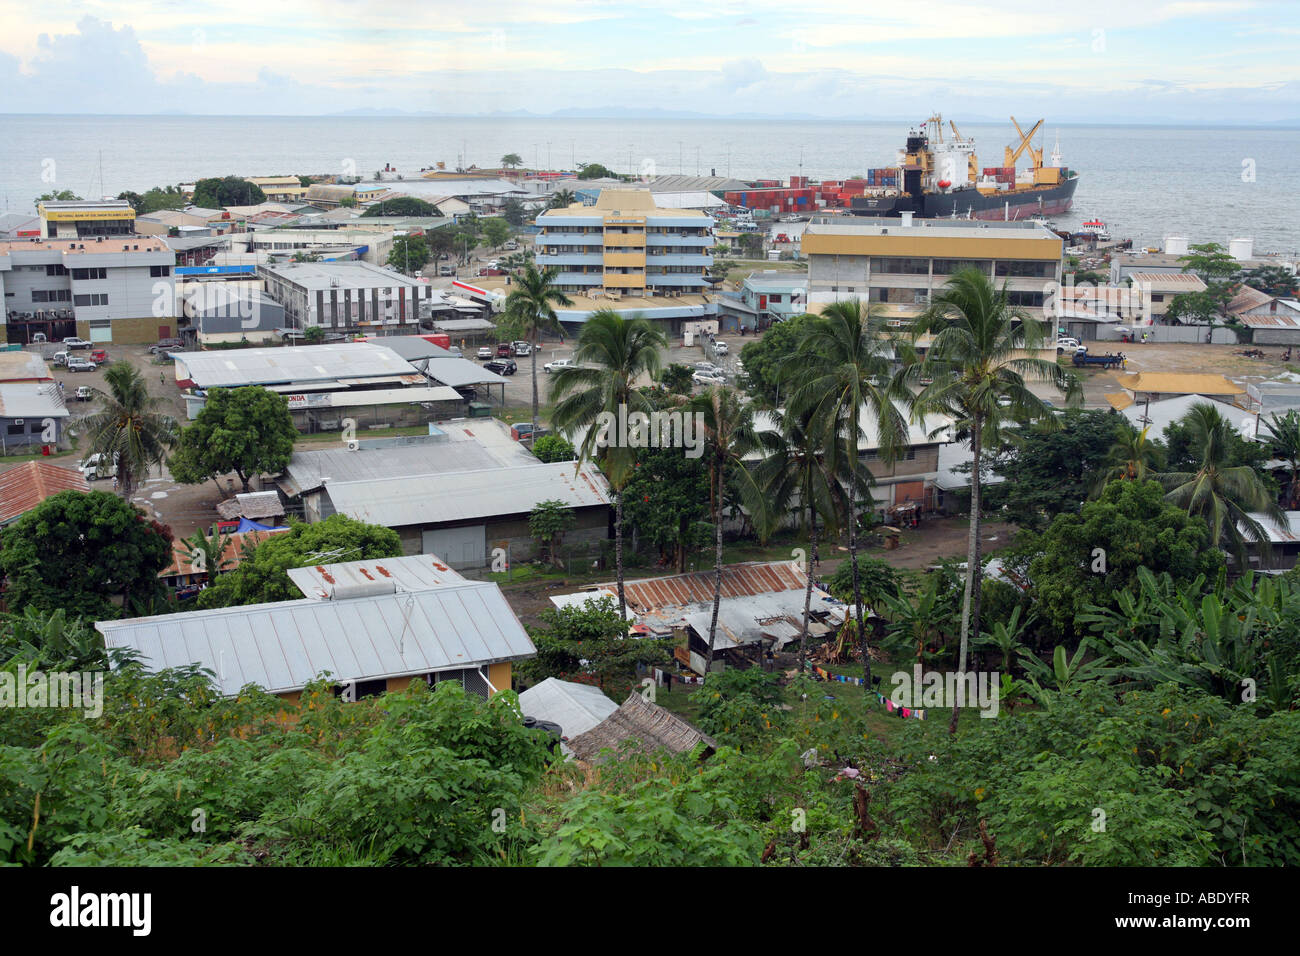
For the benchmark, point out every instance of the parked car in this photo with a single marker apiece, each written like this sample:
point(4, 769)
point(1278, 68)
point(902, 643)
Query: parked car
point(502, 366)
point(558, 364)
point(504, 350)
point(446, 270)
point(96, 467)
point(485, 352)
point(522, 348)
point(99, 356)
point(60, 358)
point(708, 368)
point(706, 379)
point(166, 345)
point(38, 338)
point(72, 342)
point(455, 351)
point(81, 365)
point(85, 393)
point(1064, 345)
point(720, 347)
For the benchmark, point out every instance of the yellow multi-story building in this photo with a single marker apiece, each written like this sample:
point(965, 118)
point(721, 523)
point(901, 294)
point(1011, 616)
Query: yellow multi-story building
point(626, 245)
point(900, 264)
point(280, 188)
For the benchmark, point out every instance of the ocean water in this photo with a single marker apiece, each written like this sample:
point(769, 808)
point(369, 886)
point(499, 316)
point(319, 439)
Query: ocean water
point(1145, 182)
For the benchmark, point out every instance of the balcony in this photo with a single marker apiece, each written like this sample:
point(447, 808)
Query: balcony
point(570, 259)
point(660, 240)
point(568, 239)
point(579, 278)
point(675, 279)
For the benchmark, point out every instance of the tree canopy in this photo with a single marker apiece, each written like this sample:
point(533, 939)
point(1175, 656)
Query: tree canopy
point(218, 192)
point(261, 576)
point(89, 554)
point(400, 206)
point(1094, 556)
point(245, 430)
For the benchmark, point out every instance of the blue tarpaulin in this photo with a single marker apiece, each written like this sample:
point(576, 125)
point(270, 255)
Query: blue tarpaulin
point(246, 525)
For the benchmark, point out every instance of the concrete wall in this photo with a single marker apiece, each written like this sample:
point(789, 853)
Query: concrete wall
point(1171, 333)
point(1277, 337)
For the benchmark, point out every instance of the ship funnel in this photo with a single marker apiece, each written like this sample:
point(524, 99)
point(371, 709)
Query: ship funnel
point(907, 218)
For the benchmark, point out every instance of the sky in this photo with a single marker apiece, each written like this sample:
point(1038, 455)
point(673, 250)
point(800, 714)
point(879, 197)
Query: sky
point(1216, 61)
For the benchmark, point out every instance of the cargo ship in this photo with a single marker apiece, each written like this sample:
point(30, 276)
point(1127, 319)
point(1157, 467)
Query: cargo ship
point(938, 177)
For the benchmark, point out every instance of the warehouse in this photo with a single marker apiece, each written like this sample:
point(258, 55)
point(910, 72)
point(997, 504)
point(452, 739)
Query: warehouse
point(31, 413)
point(462, 491)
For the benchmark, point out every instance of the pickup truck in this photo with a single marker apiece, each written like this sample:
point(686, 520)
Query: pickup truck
point(166, 345)
point(1082, 358)
point(558, 364)
point(97, 466)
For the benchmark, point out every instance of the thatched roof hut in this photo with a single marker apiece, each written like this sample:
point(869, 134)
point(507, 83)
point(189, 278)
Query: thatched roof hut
point(649, 724)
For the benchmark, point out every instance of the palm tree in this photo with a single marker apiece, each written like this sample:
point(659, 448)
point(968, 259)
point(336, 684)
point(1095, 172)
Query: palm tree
point(1286, 445)
point(977, 366)
point(794, 476)
point(206, 553)
point(1222, 494)
point(1131, 458)
point(612, 354)
point(840, 372)
point(561, 198)
point(529, 310)
point(129, 429)
point(728, 437)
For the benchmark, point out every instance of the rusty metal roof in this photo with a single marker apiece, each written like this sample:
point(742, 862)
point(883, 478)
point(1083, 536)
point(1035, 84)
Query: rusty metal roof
point(25, 487)
point(738, 580)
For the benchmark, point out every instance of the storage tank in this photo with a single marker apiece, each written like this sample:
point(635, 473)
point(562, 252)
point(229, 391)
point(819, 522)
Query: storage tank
point(1175, 245)
point(1241, 249)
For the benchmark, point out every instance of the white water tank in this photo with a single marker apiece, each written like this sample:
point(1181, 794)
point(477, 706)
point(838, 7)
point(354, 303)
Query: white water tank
point(907, 217)
point(1241, 249)
point(1176, 245)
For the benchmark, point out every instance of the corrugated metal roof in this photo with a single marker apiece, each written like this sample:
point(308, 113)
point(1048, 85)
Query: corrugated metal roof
point(18, 366)
point(414, 573)
point(456, 372)
point(254, 504)
point(24, 487)
point(32, 400)
point(433, 499)
point(738, 580)
point(299, 363)
point(283, 646)
point(1177, 383)
point(230, 555)
point(378, 459)
point(575, 707)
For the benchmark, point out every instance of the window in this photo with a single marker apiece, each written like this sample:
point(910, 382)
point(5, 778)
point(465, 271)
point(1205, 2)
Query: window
point(51, 295)
point(98, 298)
point(82, 275)
point(947, 267)
point(156, 272)
point(17, 429)
point(894, 265)
point(899, 296)
point(1025, 269)
point(1025, 299)
point(56, 270)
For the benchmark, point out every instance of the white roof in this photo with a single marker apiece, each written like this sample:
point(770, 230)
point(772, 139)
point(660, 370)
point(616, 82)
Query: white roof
point(413, 573)
point(1277, 535)
point(467, 495)
point(283, 646)
point(31, 400)
point(298, 363)
point(582, 598)
point(918, 433)
point(1165, 412)
point(575, 707)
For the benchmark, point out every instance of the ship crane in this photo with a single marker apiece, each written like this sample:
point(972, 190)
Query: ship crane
point(1026, 140)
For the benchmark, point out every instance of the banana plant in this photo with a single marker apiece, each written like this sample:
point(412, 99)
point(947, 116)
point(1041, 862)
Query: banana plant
point(1065, 672)
point(1006, 637)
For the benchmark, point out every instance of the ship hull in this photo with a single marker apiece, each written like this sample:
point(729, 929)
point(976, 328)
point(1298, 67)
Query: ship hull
point(971, 204)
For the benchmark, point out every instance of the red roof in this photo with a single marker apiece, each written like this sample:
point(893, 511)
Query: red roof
point(25, 487)
point(233, 553)
point(738, 580)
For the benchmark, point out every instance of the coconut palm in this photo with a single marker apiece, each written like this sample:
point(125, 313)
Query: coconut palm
point(611, 355)
point(530, 308)
point(1131, 458)
point(1286, 445)
point(729, 436)
point(130, 430)
point(561, 198)
point(978, 366)
point(840, 375)
point(1223, 495)
point(794, 477)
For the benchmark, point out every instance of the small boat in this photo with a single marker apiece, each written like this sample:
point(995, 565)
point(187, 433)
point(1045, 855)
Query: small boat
point(1095, 228)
